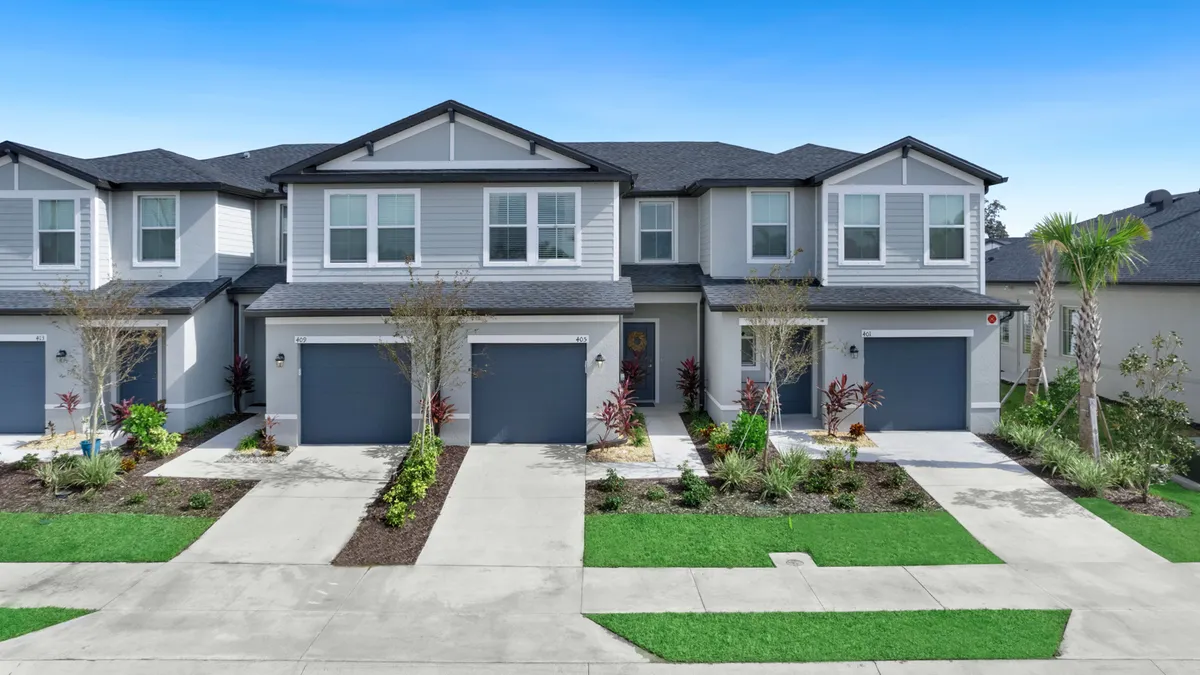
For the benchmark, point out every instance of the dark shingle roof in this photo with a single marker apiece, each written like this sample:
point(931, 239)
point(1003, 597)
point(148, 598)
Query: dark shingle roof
point(663, 277)
point(671, 165)
point(259, 279)
point(163, 297)
point(799, 162)
point(1172, 253)
point(252, 171)
point(726, 295)
point(495, 297)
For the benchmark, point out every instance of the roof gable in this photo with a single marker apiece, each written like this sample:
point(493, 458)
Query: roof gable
point(904, 145)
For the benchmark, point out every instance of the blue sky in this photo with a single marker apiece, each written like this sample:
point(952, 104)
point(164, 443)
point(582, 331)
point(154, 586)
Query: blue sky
point(1084, 106)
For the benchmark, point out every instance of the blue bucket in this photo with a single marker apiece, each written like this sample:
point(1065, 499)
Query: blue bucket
point(87, 447)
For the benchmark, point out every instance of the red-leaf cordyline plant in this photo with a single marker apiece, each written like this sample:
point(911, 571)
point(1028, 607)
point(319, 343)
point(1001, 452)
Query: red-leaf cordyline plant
point(690, 383)
point(843, 400)
point(268, 444)
point(616, 414)
point(240, 380)
point(441, 411)
point(753, 398)
point(633, 371)
point(70, 402)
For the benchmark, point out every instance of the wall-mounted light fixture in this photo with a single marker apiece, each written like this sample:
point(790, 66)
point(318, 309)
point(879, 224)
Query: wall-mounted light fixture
point(599, 362)
point(61, 355)
point(854, 351)
point(279, 360)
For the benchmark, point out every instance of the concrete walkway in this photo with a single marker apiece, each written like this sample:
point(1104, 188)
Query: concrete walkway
point(672, 447)
point(512, 505)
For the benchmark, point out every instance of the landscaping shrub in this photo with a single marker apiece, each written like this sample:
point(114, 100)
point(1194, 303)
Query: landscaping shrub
point(701, 425)
point(1024, 437)
point(843, 400)
point(858, 430)
point(142, 418)
point(913, 499)
point(818, 482)
point(1124, 468)
point(160, 441)
point(137, 498)
point(639, 437)
point(690, 383)
point(1047, 406)
point(844, 500)
point(798, 462)
point(209, 425)
point(735, 471)
point(128, 464)
point(200, 501)
point(778, 481)
point(851, 482)
point(895, 478)
point(616, 414)
point(835, 460)
point(413, 480)
point(52, 475)
point(240, 379)
point(249, 442)
point(696, 492)
point(1089, 475)
point(753, 398)
point(656, 493)
point(95, 472)
point(26, 463)
point(267, 442)
point(748, 433)
point(1057, 454)
point(720, 440)
point(611, 503)
point(612, 481)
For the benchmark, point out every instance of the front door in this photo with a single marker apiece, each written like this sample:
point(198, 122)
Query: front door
point(142, 386)
point(639, 340)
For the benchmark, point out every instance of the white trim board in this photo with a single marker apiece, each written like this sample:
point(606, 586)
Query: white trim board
point(721, 406)
point(986, 405)
point(919, 332)
point(532, 226)
point(964, 261)
point(841, 226)
point(791, 226)
point(23, 337)
point(135, 209)
point(531, 318)
point(202, 401)
point(147, 323)
point(76, 223)
point(372, 227)
point(349, 339)
point(814, 321)
point(527, 339)
point(637, 230)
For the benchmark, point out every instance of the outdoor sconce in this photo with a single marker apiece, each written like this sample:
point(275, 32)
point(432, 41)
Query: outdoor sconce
point(854, 351)
point(599, 362)
point(61, 355)
point(279, 360)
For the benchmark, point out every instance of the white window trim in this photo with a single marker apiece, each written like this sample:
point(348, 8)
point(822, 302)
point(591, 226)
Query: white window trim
point(938, 191)
point(1006, 331)
point(741, 338)
point(858, 190)
point(637, 229)
point(1074, 326)
point(791, 226)
point(281, 255)
point(37, 239)
point(531, 227)
point(137, 230)
point(372, 227)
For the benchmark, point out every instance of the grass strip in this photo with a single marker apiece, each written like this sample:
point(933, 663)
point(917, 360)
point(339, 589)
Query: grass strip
point(96, 537)
point(833, 539)
point(17, 622)
point(792, 637)
point(1176, 539)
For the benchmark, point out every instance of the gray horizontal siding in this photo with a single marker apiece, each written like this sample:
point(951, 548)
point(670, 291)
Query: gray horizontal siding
point(16, 246)
point(197, 238)
point(728, 228)
point(266, 231)
point(451, 236)
point(687, 229)
point(904, 240)
point(235, 235)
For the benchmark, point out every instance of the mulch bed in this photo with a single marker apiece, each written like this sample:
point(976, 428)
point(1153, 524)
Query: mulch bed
point(873, 497)
point(701, 444)
point(1130, 500)
point(377, 543)
point(20, 491)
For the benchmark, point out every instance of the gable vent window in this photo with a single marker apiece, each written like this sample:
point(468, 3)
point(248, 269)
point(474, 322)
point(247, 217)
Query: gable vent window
point(656, 231)
point(862, 228)
point(513, 239)
point(770, 224)
point(947, 232)
point(56, 234)
point(373, 228)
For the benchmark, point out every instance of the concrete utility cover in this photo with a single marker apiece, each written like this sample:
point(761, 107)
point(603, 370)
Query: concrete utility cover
point(792, 559)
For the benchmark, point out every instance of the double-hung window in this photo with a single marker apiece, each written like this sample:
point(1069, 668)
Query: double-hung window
point(656, 230)
point(531, 226)
point(749, 359)
point(947, 230)
point(1026, 332)
point(157, 229)
point(1005, 331)
point(56, 233)
point(373, 227)
point(283, 232)
point(1070, 326)
point(770, 224)
point(862, 228)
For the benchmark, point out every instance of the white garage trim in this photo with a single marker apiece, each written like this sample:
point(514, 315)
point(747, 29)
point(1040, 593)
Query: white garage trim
point(527, 339)
point(815, 321)
point(282, 416)
point(919, 333)
point(349, 339)
point(321, 320)
point(987, 405)
point(31, 337)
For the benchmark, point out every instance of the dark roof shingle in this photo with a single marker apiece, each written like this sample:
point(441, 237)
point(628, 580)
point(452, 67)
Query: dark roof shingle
point(647, 278)
point(163, 297)
point(726, 295)
point(259, 279)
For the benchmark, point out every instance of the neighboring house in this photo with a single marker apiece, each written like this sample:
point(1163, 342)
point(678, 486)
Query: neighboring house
point(578, 250)
point(1162, 295)
point(991, 244)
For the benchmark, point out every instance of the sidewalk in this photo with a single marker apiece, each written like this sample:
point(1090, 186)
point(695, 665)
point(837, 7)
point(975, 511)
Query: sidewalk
point(672, 447)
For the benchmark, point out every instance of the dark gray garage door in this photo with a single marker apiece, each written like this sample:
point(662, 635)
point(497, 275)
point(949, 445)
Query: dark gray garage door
point(529, 393)
point(23, 393)
point(924, 383)
point(352, 394)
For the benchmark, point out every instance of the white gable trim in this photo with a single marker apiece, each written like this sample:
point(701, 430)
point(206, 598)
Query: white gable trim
point(914, 154)
point(553, 160)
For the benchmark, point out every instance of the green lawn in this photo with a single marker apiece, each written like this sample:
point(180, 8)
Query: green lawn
point(1176, 539)
point(17, 622)
point(93, 537)
point(840, 539)
point(789, 637)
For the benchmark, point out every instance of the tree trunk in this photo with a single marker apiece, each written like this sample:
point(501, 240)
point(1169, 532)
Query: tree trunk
point(1043, 312)
point(1087, 355)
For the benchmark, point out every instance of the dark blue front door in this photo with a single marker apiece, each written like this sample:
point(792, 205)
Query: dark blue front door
point(797, 396)
point(639, 339)
point(143, 384)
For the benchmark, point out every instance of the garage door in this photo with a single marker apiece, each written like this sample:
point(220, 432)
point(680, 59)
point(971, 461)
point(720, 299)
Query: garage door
point(23, 393)
point(924, 383)
point(352, 394)
point(529, 393)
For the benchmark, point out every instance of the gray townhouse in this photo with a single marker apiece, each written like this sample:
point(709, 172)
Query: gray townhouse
point(579, 254)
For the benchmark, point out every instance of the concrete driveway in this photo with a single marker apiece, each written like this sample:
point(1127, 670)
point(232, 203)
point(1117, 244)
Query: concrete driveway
point(512, 505)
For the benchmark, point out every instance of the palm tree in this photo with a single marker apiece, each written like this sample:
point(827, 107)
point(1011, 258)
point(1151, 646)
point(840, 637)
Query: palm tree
point(1093, 253)
point(1043, 301)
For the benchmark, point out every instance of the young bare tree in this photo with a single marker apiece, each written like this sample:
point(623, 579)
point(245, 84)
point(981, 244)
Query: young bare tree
point(1042, 310)
point(431, 322)
point(777, 316)
point(111, 342)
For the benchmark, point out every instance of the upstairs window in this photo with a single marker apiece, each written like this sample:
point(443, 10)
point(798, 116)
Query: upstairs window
point(56, 233)
point(348, 228)
point(656, 231)
point(397, 228)
point(531, 226)
point(373, 228)
point(862, 231)
point(283, 232)
point(947, 228)
point(1070, 326)
point(157, 229)
point(770, 224)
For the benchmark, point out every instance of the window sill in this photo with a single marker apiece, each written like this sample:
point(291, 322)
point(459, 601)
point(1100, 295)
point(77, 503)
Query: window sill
point(539, 263)
point(154, 263)
point(657, 262)
point(862, 263)
point(947, 263)
point(754, 367)
point(787, 260)
point(56, 268)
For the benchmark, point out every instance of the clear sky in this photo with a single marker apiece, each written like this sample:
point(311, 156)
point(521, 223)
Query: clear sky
point(1085, 106)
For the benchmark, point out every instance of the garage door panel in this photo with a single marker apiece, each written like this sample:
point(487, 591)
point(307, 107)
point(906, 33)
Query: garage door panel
point(923, 381)
point(23, 394)
point(528, 393)
point(352, 394)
